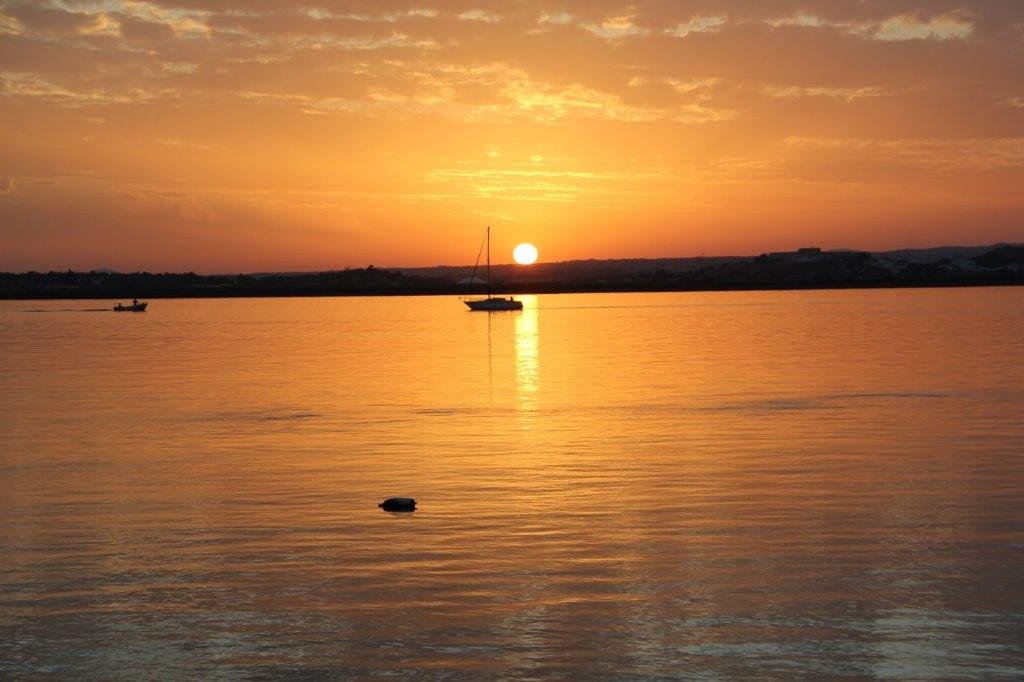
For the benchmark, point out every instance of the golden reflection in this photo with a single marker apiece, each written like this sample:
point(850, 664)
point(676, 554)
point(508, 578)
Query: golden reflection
point(490, 364)
point(527, 354)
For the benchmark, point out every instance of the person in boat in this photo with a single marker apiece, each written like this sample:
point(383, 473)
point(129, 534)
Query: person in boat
point(135, 303)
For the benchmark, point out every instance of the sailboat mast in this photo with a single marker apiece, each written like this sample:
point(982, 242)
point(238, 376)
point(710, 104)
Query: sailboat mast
point(488, 261)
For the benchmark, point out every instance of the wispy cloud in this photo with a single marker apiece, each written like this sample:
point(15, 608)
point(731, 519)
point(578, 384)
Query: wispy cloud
point(698, 24)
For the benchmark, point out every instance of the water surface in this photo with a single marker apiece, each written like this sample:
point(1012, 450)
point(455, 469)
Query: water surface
point(708, 485)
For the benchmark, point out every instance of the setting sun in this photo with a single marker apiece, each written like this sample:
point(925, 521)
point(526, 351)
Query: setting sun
point(525, 254)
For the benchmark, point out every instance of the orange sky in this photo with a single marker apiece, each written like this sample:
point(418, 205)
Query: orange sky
point(249, 135)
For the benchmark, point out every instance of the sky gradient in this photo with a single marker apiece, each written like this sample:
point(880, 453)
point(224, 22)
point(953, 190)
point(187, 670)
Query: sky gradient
point(253, 135)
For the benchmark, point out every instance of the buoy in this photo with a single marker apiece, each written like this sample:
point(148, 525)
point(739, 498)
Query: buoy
point(398, 504)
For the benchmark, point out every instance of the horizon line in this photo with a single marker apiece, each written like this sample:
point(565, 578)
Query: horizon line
point(517, 265)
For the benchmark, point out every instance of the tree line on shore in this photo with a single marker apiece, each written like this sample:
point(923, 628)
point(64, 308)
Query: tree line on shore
point(805, 268)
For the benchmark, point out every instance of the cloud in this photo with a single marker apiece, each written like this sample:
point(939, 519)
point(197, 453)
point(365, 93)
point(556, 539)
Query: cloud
point(848, 94)
point(697, 25)
point(909, 28)
point(615, 27)
point(480, 15)
point(142, 31)
point(927, 155)
point(44, 20)
point(558, 18)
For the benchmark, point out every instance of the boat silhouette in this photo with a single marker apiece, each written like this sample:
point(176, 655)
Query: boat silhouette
point(133, 307)
point(491, 303)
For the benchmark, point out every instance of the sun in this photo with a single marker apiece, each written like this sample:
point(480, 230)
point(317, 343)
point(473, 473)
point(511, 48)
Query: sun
point(525, 254)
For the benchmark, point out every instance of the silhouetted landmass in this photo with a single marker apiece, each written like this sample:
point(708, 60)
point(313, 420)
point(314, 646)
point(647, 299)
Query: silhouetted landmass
point(802, 269)
point(106, 284)
point(1003, 257)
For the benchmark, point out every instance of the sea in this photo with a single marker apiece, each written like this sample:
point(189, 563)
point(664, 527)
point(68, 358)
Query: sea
point(706, 486)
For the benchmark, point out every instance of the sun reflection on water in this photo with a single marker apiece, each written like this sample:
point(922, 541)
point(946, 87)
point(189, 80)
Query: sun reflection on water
point(527, 361)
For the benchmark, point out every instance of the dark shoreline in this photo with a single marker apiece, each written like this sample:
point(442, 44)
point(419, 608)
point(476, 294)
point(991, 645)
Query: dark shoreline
point(285, 292)
point(804, 269)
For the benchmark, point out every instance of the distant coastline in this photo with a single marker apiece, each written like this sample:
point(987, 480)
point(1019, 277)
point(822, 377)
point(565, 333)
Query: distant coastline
point(807, 268)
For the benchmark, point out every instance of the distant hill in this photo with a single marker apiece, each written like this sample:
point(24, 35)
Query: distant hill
point(571, 270)
point(617, 268)
point(803, 268)
point(937, 253)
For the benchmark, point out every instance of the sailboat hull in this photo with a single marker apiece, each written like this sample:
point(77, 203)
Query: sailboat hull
point(493, 303)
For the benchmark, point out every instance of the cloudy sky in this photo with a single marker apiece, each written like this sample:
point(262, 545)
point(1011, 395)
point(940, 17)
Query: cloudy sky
point(247, 135)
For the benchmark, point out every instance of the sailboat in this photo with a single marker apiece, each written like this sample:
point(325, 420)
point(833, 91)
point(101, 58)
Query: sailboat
point(491, 302)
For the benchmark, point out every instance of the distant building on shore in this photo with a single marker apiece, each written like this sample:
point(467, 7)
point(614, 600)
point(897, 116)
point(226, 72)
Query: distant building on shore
point(812, 254)
point(808, 254)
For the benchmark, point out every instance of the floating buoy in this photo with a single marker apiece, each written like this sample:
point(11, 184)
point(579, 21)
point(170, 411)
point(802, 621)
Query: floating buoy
point(398, 504)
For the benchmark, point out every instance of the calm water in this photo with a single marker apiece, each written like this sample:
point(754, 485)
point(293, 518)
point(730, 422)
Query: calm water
point(708, 485)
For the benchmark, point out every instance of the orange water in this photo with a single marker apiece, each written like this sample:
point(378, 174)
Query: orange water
point(615, 485)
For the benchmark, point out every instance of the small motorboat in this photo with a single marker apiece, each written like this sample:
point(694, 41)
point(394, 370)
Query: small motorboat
point(133, 307)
